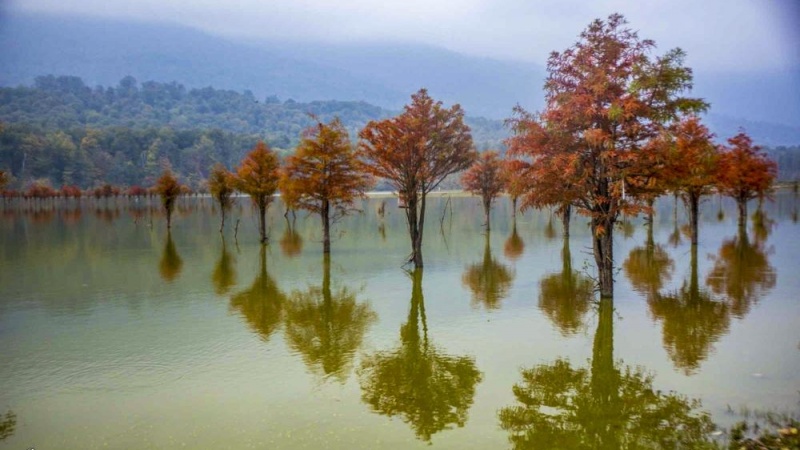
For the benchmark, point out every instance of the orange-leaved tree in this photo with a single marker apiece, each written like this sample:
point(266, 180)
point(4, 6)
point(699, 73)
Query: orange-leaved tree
point(221, 187)
point(257, 176)
point(606, 98)
point(546, 167)
point(745, 172)
point(415, 152)
point(514, 174)
point(485, 178)
point(325, 175)
point(691, 166)
point(168, 189)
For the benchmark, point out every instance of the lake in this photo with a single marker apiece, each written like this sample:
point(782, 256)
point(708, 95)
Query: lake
point(117, 334)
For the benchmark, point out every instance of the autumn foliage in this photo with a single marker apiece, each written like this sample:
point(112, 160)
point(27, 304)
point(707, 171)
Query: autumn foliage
point(324, 176)
point(221, 187)
point(257, 176)
point(745, 172)
point(415, 152)
point(606, 98)
point(168, 189)
point(485, 179)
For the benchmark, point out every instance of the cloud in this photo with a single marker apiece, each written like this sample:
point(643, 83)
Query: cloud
point(729, 35)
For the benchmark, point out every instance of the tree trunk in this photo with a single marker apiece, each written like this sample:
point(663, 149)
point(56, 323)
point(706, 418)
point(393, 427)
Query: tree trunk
point(566, 213)
point(694, 203)
point(411, 218)
point(326, 227)
point(262, 220)
point(604, 255)
point(514, 208)
point(420, 228)
point(487, 208)
point(169, 218)
point(742, 204)
point(222, 223)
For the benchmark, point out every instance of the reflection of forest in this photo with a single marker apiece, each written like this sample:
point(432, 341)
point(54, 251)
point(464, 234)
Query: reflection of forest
point(171, 262)
point(742, 272)
point(693, 320)
point(605, 406)
point(327, 326)
point(565, 297)
point(263, 303)
point(489, 280)
point(427, 388)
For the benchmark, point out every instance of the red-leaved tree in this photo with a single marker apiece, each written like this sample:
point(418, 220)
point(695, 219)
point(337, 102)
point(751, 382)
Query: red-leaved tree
point(745, 172)
point(415, 152)
point(485, 179)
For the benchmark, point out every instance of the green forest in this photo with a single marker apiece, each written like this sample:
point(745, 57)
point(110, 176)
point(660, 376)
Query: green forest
point(62, 132)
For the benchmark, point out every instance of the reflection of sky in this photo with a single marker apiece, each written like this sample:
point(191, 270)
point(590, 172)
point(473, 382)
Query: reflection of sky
point(93, 337)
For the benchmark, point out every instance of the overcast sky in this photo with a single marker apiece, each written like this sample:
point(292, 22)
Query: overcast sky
point(729, 35)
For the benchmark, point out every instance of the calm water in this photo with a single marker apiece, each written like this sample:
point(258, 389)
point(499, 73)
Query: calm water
point(116, 334)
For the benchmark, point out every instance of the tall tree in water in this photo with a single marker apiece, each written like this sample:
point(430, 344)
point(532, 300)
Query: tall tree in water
point(516, 182)
point(168, 189)
point(606, 98)
point(485, 178)
point(325, 175)
point(220, 186)
point(415, 152)
point(745, 172)
point(257, 176)
point(691, 166)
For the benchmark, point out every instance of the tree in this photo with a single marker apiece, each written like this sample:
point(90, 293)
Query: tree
point(745, 172)
point(4, 180)
point(326, 176)
point(606, 98)
point(428, 388)
point(257, 176)
point(485, 178)
point(168, 189)
point(516, 182)
point(691, 166)
point(415, 152)
point(220, 186)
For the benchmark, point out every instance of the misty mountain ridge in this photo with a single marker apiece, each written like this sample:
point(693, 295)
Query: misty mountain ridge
point(102, 52)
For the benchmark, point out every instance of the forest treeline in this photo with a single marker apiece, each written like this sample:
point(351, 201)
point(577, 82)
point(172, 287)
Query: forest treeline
point(64, 131)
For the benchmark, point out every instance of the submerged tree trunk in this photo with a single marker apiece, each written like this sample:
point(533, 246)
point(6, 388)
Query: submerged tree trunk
point(326, 227)
point(514, 207)
point(603, 243)
point(262, 220)
point(694, 204)
point(566, 214)
point(487, 210)
point(222, 213)
point(742, 204)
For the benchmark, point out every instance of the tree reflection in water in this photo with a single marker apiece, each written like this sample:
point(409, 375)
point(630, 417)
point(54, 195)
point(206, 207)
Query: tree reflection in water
point(262, 304)
point(429, 389)
point(489, 280)
point(514, 246)
point(8, 424)
point(171, 262)
point(565, 297)
point(693, 320)
point(291, 242)
point(327, 326)
point(606, 406)
point(648, 267)
point(742, 272)
point(224, 275)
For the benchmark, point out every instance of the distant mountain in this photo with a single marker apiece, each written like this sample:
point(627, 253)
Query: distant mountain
point(103, 52)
